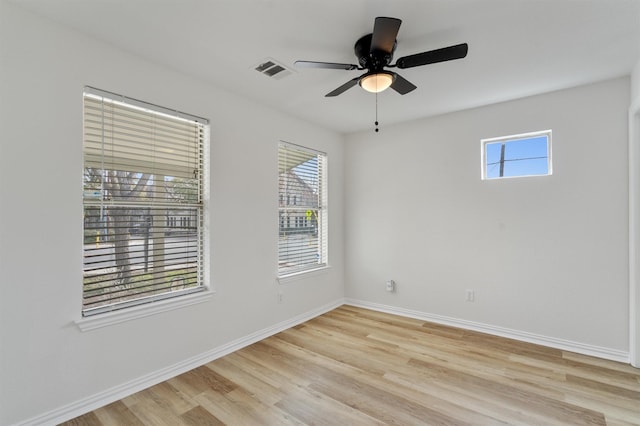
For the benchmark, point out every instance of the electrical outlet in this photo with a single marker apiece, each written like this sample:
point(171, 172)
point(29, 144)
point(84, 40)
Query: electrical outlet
point(470, 295)
point(391, 286)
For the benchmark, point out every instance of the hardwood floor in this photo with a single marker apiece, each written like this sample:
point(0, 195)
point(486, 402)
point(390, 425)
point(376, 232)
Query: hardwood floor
point(353, 366)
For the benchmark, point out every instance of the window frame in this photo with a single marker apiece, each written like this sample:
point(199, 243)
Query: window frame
point(128, 309)
point(301, 203)
point(515, 138)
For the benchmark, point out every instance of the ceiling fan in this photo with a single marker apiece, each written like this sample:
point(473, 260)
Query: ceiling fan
point(375, 52)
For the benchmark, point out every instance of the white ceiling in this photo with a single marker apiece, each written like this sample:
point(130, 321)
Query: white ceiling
point(516, 47)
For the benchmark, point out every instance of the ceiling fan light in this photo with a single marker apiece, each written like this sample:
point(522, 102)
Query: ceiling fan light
point(377, 82)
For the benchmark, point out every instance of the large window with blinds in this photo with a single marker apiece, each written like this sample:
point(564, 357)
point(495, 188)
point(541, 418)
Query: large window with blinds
point(303, 215)
point(143, 202)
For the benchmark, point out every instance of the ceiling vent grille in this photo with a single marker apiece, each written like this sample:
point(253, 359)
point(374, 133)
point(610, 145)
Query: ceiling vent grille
point(271, 68)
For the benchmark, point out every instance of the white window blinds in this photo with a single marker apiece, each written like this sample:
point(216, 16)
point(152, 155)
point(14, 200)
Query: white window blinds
point(303, 215)
point(143, 202)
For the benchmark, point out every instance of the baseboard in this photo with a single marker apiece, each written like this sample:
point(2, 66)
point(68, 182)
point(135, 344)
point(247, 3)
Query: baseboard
point(567, 345)
point(116, 393)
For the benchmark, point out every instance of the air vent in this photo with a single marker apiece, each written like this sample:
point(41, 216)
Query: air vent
point(271, 68)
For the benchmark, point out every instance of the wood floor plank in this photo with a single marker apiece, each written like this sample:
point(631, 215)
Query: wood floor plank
point(601, 387)
point(353, 366)
point(237, 373)
point(152, 412)
point(198, 416)
point(117, 414)
point(198, 380)
point(314, 408)
point(237, 407)
point(168, 396)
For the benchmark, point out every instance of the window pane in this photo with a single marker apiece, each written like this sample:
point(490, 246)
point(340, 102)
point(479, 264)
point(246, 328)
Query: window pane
point(131, 186)
point(519, 155)
point(133, 252)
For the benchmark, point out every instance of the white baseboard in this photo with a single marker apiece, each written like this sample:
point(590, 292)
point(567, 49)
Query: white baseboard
point(116, 393)
point(567, 345)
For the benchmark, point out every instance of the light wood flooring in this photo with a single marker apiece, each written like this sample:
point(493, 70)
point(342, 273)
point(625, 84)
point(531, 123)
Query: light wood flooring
point(353, 366)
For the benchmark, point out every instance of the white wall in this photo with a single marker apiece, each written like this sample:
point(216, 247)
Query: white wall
point(546, 256)
point(45, 361)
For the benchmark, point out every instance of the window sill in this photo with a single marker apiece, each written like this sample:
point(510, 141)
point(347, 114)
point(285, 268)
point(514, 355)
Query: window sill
point(141, 311)
point(296, 276)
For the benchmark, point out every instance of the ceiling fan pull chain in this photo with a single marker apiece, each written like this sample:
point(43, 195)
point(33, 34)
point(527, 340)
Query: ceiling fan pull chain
point(376, 112)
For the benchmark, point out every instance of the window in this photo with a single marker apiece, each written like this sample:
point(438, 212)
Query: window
point(518, 155)
point(143, 202)
point(302, 177)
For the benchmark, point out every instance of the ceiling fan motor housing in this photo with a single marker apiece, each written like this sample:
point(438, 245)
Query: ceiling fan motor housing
point(374, 60)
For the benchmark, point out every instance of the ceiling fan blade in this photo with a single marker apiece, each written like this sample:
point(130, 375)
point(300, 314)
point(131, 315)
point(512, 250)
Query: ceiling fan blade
point(384, 34)
point(458, 51)
point(325, 65)
point(402, 85)
point(348, 85)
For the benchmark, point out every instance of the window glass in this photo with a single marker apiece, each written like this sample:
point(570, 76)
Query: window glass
point(518, 155)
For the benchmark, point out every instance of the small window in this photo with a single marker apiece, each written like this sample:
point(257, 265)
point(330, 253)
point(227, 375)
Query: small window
point(527, 154)
point(302, 178)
